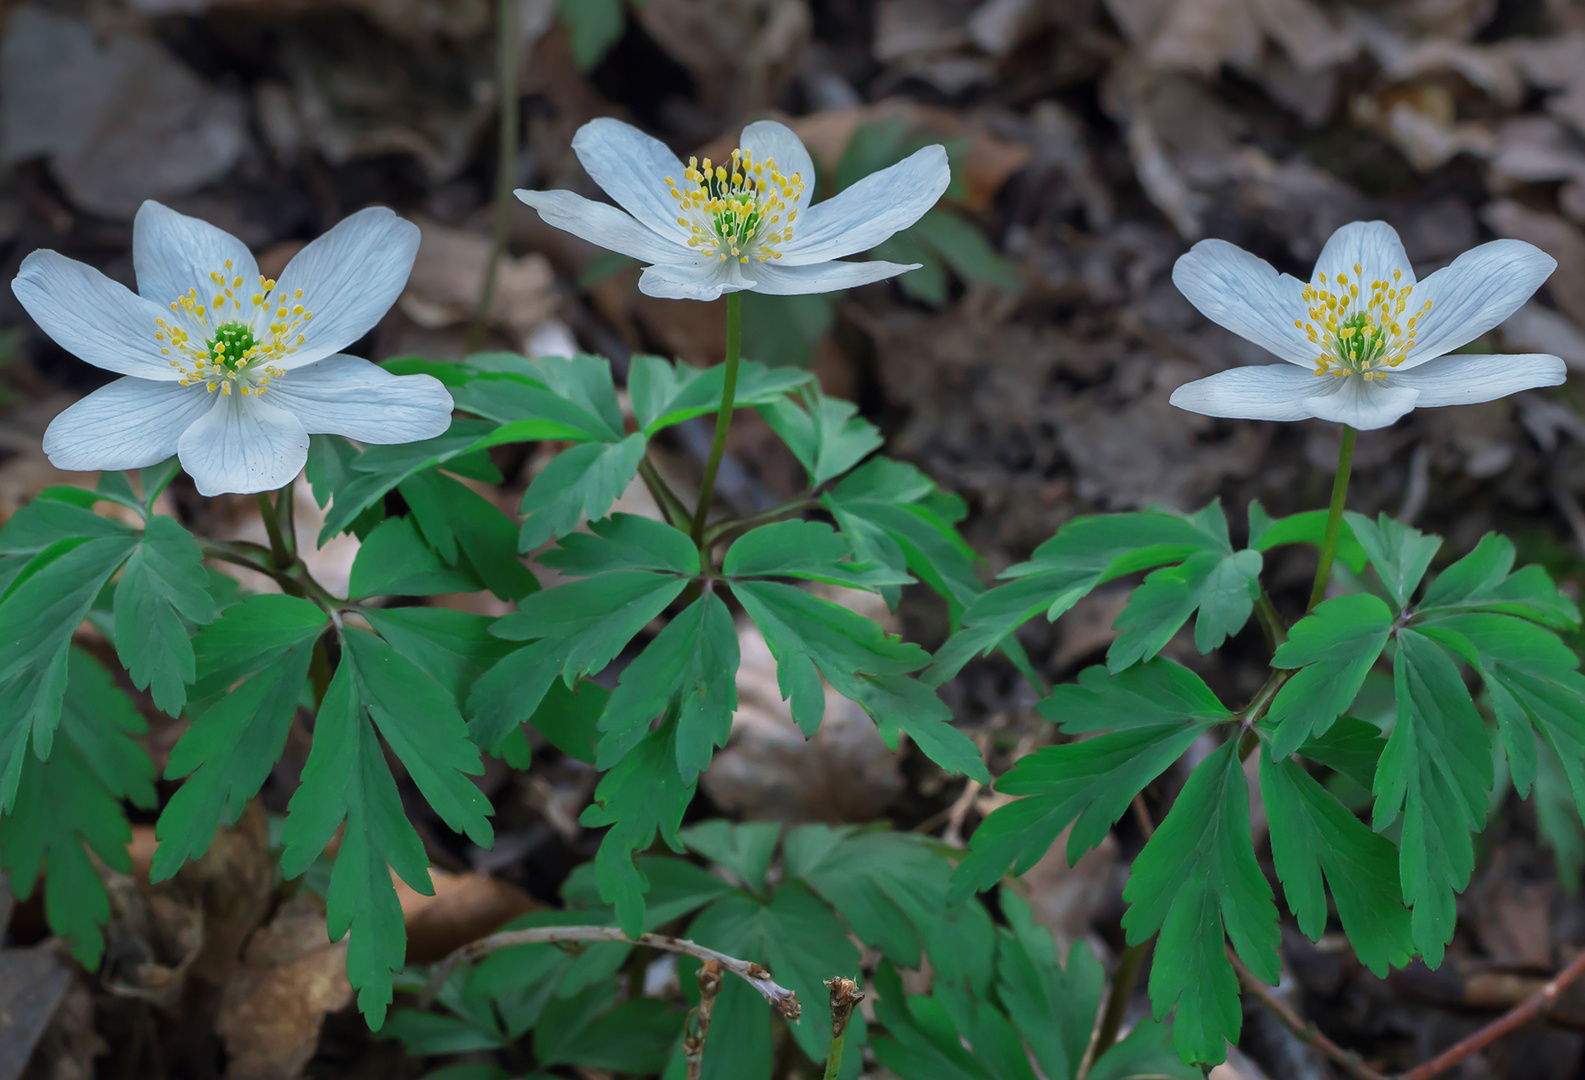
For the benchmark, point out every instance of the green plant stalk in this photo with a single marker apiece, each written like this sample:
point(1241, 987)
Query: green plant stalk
point(723, 418)
point(1129, 965)
point(506, 166)
point(834, 1059)
point(1334, 517)
point(280, 554)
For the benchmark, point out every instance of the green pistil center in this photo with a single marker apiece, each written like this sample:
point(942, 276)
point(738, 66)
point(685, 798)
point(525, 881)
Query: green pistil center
point(233, 345)
point(1361, 341)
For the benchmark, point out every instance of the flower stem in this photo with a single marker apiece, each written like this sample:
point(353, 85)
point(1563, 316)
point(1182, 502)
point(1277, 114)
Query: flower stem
point(845, 996)
point(723, 418)
point(280, 553)
point(1126, 978)
point(506, 50)
point(1334, 517)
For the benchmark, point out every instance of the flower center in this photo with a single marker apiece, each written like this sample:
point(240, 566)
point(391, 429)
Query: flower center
point(733, 212)
point(1359, 335)
point(235, 351)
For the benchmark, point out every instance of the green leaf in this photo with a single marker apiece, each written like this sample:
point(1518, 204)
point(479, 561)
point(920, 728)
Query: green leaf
point(890, 887)
point(580, 626)
point(624, 542)
point(803, 549)
point(862, 662)
point(921, 1040)
point(1483, 581)
point(1401, 554)
point(378, 469)
point(744, 849)
point(1161, 707)
point(784, 331)
point(676, 887)
point(666, 393)
point(594, 26)
point(1052, 1006)
point(162, 590)
point(468, 532)
point(692, 665)
point(826, 435)
point(964, 248)
point(1557, 816)
point(455, 647)
point(1086, 552)
point(1222, 587)
point(583, 480)
point(346, 779)
point(893, 516)
point(1437, 770)
point(592, 1030)
point(569, 719)
point(329, 465)
point(394, 561)
point(251, 665)
point(1146, 1054)
point(1313, 833)
point(1350, 746)
point(72, 803)
point(1333, 649)
point(798, 938)
point(551, 397)
point(641, 796)
point(1196, 877)
point(50, 518)
point(1308, 527)
point(46, 603)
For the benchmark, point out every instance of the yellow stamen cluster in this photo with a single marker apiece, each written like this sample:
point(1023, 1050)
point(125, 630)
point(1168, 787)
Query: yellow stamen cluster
point(733, 209)
point(1360, 334)
point(216, 344)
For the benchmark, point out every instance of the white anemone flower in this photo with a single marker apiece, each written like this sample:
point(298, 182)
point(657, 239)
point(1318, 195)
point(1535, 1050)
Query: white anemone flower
point(741, 224)
point(1364, 342)
point(226, 368)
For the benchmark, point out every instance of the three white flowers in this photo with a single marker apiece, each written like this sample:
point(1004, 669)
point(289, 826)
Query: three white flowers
point(225, 368)
point(747, 223)
point(1364, 342)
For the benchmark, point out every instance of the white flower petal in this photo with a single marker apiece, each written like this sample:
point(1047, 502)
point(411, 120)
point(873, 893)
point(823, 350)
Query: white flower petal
point(705, 279)
point(243, 444)
point(128, 424)
point(350, 277)
point(1478, 290)
point(92, 317)
point(821, 277)
point(344, 395)
point(1371, 245)
point(605, 225)
point(173, 253)
point(1364, 406)
point(1246, 295)
point(632, 168)
point(766, 139)
point(1466, 379)
point(1264, 392)
point(870, 211)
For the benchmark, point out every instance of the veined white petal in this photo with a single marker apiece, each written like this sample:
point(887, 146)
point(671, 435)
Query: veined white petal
point(632, 168)
point(350, 277)
point(1364, 406)
point(173, 253)
point(1474, 293)
point(606, 226)
point(1464, 379)
point(705, 279)
point(768, 139)
point(242, 444)
point(344, 395)
point(821, 277)
point(1263, 392)
point(127, 424)
point(870, 211)
point(92, 317)
point(1246, 295)
point(1371, 245)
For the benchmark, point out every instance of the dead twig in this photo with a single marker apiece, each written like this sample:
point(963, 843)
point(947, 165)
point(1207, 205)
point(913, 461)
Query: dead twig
point(845, 997)
point(697, 1027)
point(1312, 1036)
point(1514, 1018)
point(783, 1000)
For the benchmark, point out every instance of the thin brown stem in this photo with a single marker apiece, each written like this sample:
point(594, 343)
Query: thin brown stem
point(1307, 1032)
point(783, 1000)
point(698, 1024)
point(1514, 1018)
point(845, 997)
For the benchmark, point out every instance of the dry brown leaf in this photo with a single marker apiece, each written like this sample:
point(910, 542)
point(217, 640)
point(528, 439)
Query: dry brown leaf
point(448, 279)
point(276, 1001)
point(464, 908)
